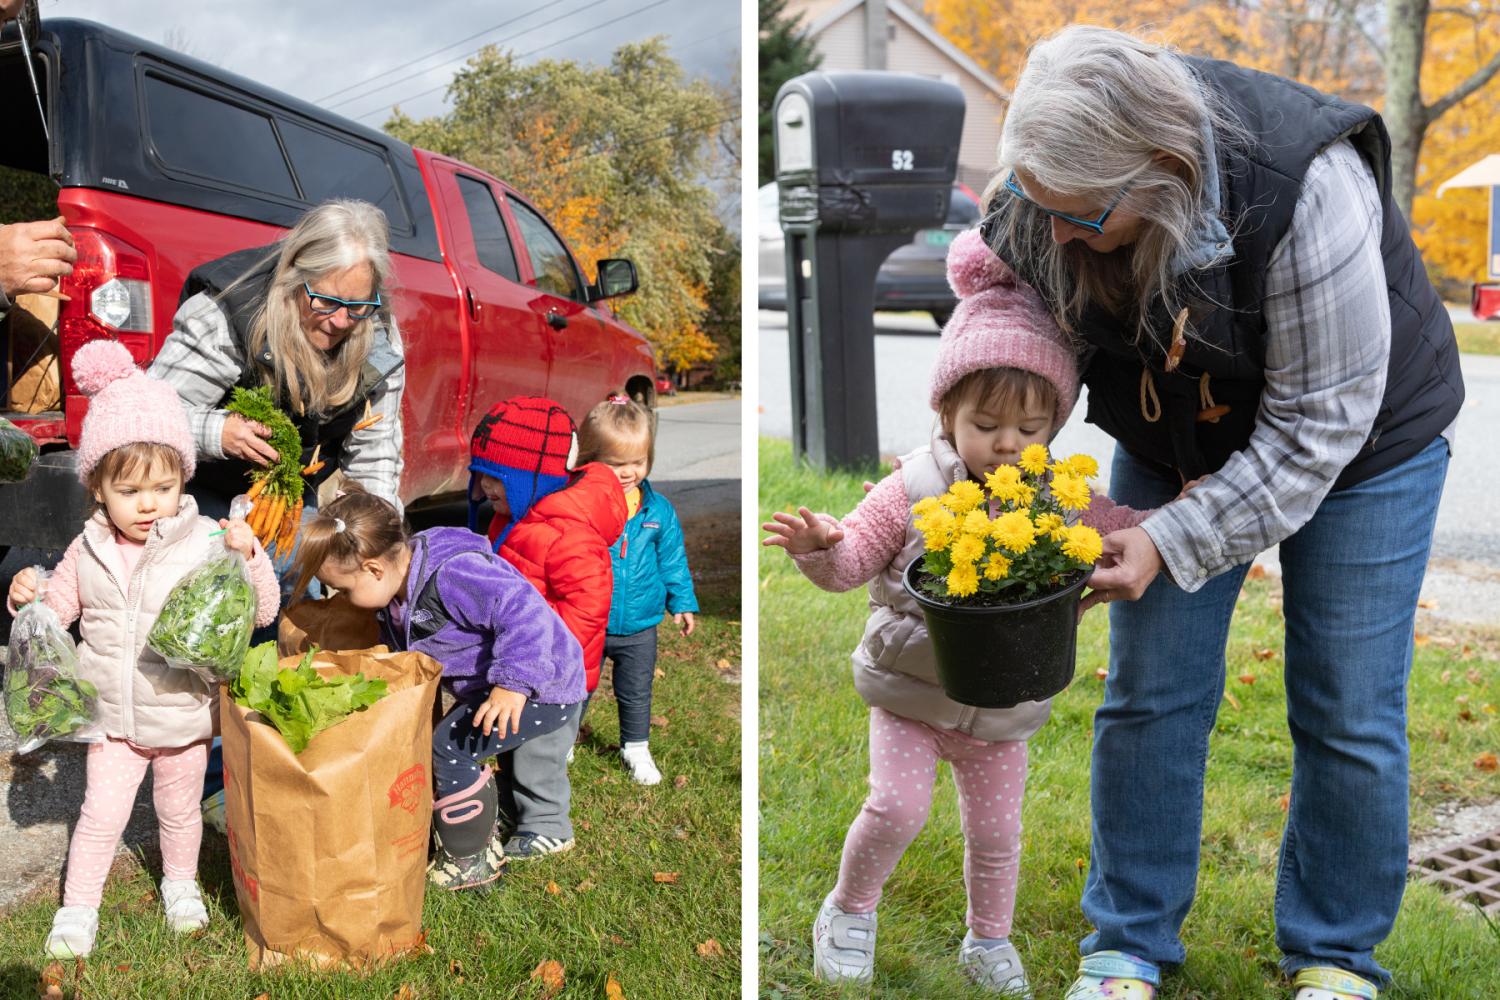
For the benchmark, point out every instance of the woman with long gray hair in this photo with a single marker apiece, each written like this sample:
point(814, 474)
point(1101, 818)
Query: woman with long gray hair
point(1251, 313)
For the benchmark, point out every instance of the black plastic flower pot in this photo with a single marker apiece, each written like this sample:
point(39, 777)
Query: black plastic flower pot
point(1001, 655)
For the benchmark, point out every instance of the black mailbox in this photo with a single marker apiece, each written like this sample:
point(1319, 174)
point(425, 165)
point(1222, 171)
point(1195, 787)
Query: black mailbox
point(863, 161)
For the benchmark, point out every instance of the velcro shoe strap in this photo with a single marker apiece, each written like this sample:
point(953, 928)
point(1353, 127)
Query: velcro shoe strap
point(1118, 965)
point(1326, 977)
point(841, 931)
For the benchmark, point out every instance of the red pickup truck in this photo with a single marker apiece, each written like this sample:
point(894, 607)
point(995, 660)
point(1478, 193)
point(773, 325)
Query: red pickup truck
point(162, 163)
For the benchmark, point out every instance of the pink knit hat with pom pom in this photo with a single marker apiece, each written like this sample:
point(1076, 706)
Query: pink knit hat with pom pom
point(1000, 322)
point(126, 406)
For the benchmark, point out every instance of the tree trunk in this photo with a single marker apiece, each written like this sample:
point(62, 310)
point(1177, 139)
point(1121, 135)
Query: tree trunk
point(1405, 115)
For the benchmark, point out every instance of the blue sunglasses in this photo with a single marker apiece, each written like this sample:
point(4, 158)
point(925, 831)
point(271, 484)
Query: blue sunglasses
point(327, 305)
point(1092, 225)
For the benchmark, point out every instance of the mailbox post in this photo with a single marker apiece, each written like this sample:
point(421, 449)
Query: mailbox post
point(863, 161)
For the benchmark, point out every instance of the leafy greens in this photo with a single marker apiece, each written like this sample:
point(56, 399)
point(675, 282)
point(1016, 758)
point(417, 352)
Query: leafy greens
point(300, 703)
point(206, 622)
point(44, 697)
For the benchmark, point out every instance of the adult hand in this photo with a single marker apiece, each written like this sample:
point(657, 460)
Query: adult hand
point(23, 587)
point(238, 537)
point(246, 439)
point(501, 711)
point(802, 534)
point(1126, 568)
point(33, 255)
point(686, 622)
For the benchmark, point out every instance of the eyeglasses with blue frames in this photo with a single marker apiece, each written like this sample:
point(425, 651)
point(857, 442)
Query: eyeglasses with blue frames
point(327, 305)
point(1095, 226)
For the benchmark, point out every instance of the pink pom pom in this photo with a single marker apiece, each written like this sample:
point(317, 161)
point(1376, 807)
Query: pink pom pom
point(973, 267)
point(100, 362)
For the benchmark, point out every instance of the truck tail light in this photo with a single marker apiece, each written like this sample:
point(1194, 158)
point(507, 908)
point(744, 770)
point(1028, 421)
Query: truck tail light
point(109, 296)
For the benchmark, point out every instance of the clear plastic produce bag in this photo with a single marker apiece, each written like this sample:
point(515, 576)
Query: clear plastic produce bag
point(206, 622)
point(17, 452)
point(45, 699)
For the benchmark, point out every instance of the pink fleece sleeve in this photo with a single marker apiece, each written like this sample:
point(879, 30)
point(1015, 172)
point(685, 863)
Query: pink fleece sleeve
point(62, 586)
point(874, 534)
point(267, 587)
point(1104, 515)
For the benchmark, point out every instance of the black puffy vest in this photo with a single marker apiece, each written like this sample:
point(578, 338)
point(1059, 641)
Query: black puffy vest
point(327, 430)
point(1259, 188)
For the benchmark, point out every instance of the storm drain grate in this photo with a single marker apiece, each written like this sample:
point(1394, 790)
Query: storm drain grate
point(1470, 872)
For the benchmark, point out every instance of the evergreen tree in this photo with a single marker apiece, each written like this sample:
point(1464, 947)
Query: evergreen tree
point(785, 51)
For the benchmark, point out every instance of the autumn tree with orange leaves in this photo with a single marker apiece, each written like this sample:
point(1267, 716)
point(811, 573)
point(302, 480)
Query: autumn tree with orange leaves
point(1344, 47)
point(615, 157)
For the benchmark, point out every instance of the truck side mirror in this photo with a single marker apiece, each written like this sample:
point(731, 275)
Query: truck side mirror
point(616, 277)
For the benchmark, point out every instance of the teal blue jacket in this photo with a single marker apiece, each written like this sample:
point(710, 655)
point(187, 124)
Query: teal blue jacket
point(650, 568)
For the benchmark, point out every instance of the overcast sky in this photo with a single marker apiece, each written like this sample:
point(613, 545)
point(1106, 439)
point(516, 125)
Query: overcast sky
point(314, 50)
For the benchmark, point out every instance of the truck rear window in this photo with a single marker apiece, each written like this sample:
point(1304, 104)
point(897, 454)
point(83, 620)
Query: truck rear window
point(203, 135)
point(328, 167)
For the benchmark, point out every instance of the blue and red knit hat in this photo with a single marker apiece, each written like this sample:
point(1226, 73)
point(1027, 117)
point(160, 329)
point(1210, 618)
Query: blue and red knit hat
point(529, 443)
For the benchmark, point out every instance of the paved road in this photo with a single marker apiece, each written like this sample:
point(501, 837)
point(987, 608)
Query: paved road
point(697, 466)
point(1463, 576)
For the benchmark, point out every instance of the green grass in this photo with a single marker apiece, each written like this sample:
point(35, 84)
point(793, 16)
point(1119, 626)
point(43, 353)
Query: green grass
point(625, 923)
point(814, 764)
point(1478, 338)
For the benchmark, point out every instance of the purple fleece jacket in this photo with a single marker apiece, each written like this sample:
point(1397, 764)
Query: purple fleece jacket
point(483, 621)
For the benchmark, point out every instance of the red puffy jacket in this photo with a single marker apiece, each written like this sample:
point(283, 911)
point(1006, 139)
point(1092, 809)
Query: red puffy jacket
point(562, 547)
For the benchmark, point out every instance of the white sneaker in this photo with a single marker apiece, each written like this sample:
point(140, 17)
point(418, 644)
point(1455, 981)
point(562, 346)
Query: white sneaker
point(183, 905)
point(213, 812)
point(638, 759)
point(570, 755)
point(994, 965)
point(73, 931)
point(843, 944)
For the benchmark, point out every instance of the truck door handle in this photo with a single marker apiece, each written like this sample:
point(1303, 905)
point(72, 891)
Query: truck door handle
point(557, 321)
point(473, 303)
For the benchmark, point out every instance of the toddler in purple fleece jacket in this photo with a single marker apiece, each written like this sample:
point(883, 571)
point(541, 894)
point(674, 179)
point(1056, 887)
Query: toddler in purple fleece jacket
point(513, 666)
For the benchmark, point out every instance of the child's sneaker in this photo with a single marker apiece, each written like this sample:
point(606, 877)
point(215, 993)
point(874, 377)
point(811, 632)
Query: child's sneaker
point(183, 904)
point(213, 812)
point(526, 846)
point(73, 932)
point(994, 964)
point(642, 768)
point(477, 871)
point(843, 944)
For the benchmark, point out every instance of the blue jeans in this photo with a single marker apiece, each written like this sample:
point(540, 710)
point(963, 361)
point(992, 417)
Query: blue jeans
point(1351, 578)
point(634, 657)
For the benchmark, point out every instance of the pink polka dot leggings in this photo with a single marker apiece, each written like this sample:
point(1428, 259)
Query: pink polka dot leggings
point(114, 773)
point(990, 777)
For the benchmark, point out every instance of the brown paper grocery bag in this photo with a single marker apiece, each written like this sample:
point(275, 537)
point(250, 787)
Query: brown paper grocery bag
point(328, 848)
point(333, 623)
point(35, 384)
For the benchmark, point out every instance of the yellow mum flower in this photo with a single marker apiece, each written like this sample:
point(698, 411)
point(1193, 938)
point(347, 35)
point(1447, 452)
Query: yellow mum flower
point(937, 528)
point(1082, 465)
point(1024, 495)
point(963, 580)
point(926, 505)
point(977, 522)
point(996, 567)
point(1034, 459)
point(1072, 492)
point(967, 549)
point(1082, 543)
point(1051, 525)
point(963, 496)
point(1014, 531)
point(1004, 479)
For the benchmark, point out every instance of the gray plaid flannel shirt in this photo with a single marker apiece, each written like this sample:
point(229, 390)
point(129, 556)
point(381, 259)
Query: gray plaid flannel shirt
point(203, 362)
point(1327, 350)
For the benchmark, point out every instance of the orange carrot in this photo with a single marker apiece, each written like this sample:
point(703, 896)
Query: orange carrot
point(255, 488)
point(273, 518)
point(369, 422)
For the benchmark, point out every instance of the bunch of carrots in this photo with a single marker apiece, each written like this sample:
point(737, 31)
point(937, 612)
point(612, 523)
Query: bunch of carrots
point(275, 491)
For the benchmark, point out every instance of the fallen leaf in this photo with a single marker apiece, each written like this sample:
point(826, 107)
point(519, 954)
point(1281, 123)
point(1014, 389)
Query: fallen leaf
point(50, 988)
point(1285, 802)
point(263, 996)
point(1445, 677)
point(710, 949)
point(1421, 640)
point(550, 973)
point(1102, 673)
point(1441, 735)
point(1445, 641)
point(584, 886)
point(1465, 715)
point(123, 967)
point(659, 721)
point(1474, 677)
point(1247, 678)
point(1080, 864)
point(1257, 573)
point(405, 993)
point(1487, 761)
point(1229, 697)
point(554, 889)
point(455, 968)
point(1264, 654)
point(612, 989)
point(1487, 708)
point(660, 673)
point(680, 781)
point(616, 940)
point(585, 824)
point(678, 833)
point(723, 665)
point(1427, 603)
point(665, 877)
point(481, 942)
